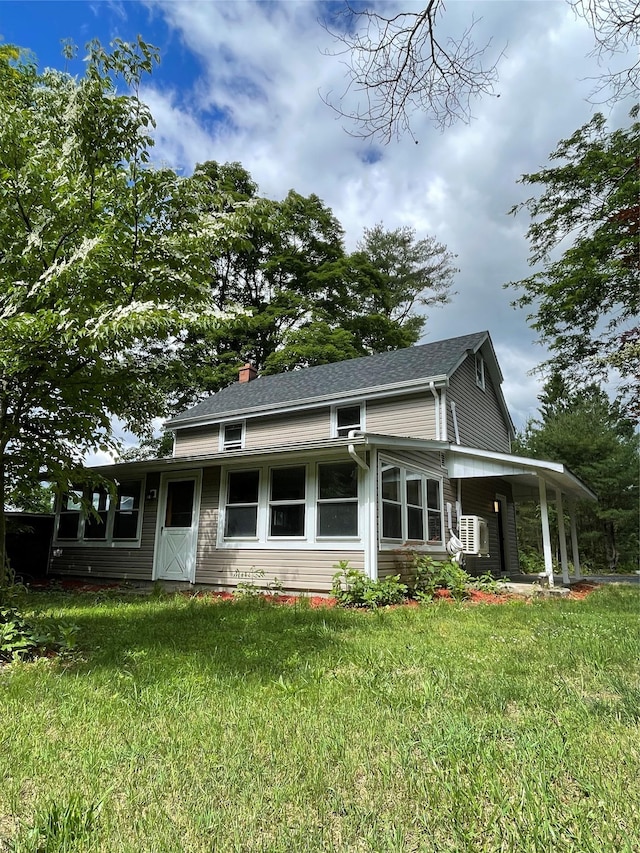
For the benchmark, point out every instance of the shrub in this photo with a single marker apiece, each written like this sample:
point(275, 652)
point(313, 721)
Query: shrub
point(431, 575)
point(23, 639)
point(352, 588)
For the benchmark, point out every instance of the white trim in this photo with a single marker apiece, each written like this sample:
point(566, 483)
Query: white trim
point(222, 446)
point(546, 535)
point(359, 427)
point(108, 541)
point(396, 389)
point(310, 540)
point(425, 474)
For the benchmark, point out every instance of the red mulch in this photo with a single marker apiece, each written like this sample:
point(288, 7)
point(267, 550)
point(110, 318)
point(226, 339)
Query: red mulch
point(578, 591)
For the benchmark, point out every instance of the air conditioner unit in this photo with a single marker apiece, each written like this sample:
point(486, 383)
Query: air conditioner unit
point(474, 535)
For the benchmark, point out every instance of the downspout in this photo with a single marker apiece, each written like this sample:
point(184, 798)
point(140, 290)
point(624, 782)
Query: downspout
point(444, 432)
point(455, 421)
point(352, 452)
point(432, 387)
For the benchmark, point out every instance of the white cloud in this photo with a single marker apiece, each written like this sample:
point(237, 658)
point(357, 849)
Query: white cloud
point(263, 66)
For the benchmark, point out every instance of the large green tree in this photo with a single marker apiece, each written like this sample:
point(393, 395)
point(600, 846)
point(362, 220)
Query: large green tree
point(103, 264)
point(580, 427)
point(585, 238)
point(305, 299)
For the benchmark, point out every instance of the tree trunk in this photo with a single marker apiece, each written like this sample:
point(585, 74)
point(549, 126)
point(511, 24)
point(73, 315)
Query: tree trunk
point(4, 568)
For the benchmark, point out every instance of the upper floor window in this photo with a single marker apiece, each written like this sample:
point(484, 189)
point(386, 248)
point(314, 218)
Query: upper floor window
point(479, 371)
point(232, 436)
point(93, 516)
point(346, 418)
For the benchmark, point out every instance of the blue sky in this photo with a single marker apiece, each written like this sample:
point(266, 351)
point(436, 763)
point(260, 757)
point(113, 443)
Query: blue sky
point(241, 81)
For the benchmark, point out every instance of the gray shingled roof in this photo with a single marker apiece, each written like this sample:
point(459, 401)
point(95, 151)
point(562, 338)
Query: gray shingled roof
point(425, 362)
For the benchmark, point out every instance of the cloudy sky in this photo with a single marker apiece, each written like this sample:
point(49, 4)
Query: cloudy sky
point(241, 81)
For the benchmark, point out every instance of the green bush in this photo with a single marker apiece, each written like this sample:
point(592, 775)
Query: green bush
point(430, 575)
point(352, 588)
point(23, 639)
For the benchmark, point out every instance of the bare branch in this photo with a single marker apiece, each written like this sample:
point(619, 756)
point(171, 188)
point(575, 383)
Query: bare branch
point(396, 66)
point(616, 30)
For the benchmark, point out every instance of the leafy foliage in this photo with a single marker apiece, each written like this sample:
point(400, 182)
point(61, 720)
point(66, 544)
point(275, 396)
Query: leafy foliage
point(352, 588)
point(25, 639)
point(581, 428)
point(304, 299)
point(103, 264)
point(585, 302)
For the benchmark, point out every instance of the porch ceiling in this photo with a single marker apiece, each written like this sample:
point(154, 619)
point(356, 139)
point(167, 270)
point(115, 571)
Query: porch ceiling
point(523, 473)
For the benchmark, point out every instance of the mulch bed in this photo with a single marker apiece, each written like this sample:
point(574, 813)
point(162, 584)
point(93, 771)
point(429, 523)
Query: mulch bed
point(577, 592)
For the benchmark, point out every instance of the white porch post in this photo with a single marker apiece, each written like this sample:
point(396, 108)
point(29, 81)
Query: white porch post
point(574, 541)
point(546, 536)
point(563, 538)
point(371, 522)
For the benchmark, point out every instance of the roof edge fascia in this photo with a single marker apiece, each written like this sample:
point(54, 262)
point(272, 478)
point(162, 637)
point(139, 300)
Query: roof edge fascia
point(358, 395)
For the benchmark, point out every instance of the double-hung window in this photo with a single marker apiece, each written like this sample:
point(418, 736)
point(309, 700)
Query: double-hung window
point(268, 505)
point(287, 501)
point(337, 499)
point(232, 436)
point(480, 378)
point(346, 418)
point(241, 511)
point(411, 505)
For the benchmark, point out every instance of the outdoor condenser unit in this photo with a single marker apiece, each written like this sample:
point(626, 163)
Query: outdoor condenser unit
point(474, 535)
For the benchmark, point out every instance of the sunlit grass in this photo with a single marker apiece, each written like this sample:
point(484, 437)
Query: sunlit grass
point(187, 725)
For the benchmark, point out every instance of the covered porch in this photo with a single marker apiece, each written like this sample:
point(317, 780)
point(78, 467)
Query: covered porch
point(532, 479)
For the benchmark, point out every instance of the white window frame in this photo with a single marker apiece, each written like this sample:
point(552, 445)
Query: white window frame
point(224, 507)
point(226, 446)
point(425, 476)
point(311, 540)
point(108, 541)
point(274, 504)
point(480, 371)
point(360, 426)
point(324, 501)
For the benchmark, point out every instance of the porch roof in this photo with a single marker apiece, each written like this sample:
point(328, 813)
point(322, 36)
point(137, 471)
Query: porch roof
point(523, 473)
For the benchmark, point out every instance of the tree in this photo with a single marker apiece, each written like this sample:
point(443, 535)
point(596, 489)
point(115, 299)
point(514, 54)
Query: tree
point(398, 64)
point(305, 300)
point(581, 428)
point(585, 302)
point(103, 263)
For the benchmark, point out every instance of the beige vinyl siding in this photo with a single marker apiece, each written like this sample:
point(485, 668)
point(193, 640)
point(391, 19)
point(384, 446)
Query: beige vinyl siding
point(290, 428)
point(117, 563)
point(196, 441)
point(480, 419)
point(412, 416)
point(298, 570)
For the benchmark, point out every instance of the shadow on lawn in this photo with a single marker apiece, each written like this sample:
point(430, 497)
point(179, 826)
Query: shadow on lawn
point(252, 638)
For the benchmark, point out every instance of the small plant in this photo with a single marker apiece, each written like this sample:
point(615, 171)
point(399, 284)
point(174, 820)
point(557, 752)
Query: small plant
point(275, 587)
point(352, 588)
point(60, 827)
point(431, 575)
point(487, 583)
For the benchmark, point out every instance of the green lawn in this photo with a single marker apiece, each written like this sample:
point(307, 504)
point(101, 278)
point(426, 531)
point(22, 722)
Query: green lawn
point(187, 725)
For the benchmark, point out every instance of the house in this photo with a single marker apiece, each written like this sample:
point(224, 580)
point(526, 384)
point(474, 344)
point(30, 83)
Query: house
point(283, 476)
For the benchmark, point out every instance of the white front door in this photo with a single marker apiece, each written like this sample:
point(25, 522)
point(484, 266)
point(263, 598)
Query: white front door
point(178, 531)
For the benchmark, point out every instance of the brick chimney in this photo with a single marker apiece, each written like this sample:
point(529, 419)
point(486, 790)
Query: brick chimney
point(247, 373)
